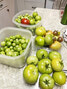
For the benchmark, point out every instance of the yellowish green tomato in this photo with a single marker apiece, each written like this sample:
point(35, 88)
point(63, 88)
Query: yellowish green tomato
point(3, 43)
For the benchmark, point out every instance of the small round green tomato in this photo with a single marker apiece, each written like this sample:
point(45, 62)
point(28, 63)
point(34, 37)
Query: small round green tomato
point(22, 41)
point(11, 47)
point(24, 45)
point(5, 47)
point(13, 44)
point(19, 48)
point(7, 39)
point(3, 43)
point(8, 43)
point(2, 52)
point(6, 50)
point(21, 52)
point(9, 53)
point(15, 54)
point(32, 21)
point(36, 22)
point(18, 36)
point(1, 49)
point(11, 40)
point(17, 41)
point(35, 14)
point(38, 18)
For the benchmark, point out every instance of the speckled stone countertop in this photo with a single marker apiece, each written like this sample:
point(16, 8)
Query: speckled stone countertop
point(11, 78)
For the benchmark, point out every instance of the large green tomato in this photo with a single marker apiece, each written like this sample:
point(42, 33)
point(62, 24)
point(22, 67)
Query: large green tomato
point(38, 18)
point(57, 64)
point(59, 77)
point(46, 81)
point(35, 14)
point(48, 39)
point(30, 74)
point(54, 55)
point(41, 54)
point(32, 21)
point(32, 60)
point(44, 66)
point(40, 31)
point(39, 41)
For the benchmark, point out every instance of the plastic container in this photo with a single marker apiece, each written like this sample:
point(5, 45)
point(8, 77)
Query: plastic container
point(18, 61)
point(29, 27)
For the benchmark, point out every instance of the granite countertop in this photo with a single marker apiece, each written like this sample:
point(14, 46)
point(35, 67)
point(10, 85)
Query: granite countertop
point(11, 78)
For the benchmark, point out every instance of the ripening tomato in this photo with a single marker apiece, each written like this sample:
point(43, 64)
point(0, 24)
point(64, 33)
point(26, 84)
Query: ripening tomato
point(25, 21)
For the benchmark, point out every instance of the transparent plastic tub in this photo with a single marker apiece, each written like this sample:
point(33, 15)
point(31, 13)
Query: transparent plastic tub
point(29, 27)
point(18, 61)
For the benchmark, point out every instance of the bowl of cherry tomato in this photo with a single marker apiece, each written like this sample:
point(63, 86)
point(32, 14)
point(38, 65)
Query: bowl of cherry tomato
point(27, 19)
point(14, 46)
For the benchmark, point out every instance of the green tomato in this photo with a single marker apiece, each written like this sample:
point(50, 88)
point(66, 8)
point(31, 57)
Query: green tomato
point(32, 21)
point(30, 74)
point(40, 31)
point(38, 18)
point(32, 60)
point(57, 64)
point(7, 39)
point(41, 54)
point(8, 43)
point(48, 39)
point(13, 44)
point(6, 50)
point(17, 41)
point(39, 40)
point(59, 78)
point(35, 14)
point(54, 55)
point(3, 43)
point(11, 40)
point(46, 82)
point(2, 52)
point(24, 45)
point(15, 54)
point(23, 41)
point(36, 22)
point(18, 36)
point(19, 48)
point(21, 52)
point(1, 49)
point(5, 47)
point(44, 66)
point(9, 53)
point(11, 47)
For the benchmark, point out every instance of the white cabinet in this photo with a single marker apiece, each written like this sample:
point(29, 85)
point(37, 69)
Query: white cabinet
point(29, 4)
point(6, 12)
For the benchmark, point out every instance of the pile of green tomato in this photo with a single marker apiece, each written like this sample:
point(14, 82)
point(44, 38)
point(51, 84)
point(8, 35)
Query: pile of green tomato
point(28, 19)
point(13, 45)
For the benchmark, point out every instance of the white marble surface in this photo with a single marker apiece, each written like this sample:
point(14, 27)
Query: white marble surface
point(11, 78)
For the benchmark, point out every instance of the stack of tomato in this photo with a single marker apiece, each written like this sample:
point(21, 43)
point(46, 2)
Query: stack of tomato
point(45, 63)
point(51, 39)
point(28, 19)
point(13, 45)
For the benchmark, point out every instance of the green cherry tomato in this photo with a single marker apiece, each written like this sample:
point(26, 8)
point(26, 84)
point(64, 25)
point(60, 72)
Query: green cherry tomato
point(15, 54)
point(32, 21)
point(21, 52)
point(38, 18)
point(2, 52)
point(7, 39)
point(9, 53)
point(3, 43)
point(24, 45)
point(19, 48)
point(8, 43)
